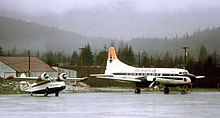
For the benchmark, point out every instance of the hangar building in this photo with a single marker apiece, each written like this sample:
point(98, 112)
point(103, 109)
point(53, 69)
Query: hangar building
point(17, 65)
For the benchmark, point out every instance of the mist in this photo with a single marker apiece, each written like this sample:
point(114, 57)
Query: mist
point(121, 19)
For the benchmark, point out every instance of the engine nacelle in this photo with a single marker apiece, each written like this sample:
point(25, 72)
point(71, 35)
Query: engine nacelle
point(44, 76)
point(62, 77)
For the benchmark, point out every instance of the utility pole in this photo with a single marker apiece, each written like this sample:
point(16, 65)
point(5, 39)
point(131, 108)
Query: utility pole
point(185, 54)
point(29, 63)
point(139, 59)
point(81, 59)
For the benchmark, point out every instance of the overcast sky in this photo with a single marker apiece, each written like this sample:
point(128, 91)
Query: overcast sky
point(123, 19)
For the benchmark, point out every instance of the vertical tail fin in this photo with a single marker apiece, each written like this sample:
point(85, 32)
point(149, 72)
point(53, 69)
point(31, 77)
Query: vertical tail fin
point(23, 75)
point(114, 64)
point(24, 85)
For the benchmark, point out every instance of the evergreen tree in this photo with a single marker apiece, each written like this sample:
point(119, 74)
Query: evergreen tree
point(1, 51)
point(151, 61)
point(87, 56)
point(203, 54)
point(126, 55)
point(167, 60)
point(214, 55)
point(130, 55)
point(50, 59)
point(158, 62)
point(74, 60)
point(101, 58)
point(145, 61)
point(190, 63)
point(177, 61)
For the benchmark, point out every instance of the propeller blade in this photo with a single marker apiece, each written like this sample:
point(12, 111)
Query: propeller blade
point(151, 85)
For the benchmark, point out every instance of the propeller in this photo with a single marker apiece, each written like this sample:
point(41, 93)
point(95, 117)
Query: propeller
point(153, 83)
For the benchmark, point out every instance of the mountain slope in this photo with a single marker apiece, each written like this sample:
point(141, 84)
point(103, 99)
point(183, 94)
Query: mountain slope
point(210, 38)
point(27, 35)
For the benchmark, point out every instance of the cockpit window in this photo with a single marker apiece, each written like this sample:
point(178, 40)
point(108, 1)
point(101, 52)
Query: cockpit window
point(183, 73)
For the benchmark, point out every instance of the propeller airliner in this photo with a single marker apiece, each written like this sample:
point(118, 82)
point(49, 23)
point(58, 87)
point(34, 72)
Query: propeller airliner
point(146, 77)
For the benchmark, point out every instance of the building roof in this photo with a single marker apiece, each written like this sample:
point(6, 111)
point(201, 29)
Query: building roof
point(21, 64)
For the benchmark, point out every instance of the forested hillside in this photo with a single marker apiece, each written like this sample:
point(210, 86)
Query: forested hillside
point(209, 38)
point(26, 35)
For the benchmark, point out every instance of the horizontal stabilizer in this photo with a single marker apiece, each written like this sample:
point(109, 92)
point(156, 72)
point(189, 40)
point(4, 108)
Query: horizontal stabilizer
point(200, 77)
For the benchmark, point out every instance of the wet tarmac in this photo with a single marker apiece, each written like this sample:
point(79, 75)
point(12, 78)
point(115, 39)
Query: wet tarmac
point(111, 105)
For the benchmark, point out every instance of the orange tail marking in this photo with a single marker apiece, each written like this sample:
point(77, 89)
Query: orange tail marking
point(111, 53)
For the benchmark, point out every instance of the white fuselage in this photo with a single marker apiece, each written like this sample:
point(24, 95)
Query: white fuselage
point(38, 86)
point(173, 75)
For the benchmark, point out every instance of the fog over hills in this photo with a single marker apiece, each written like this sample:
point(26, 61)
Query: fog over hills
point(155, 26)
point(121, 19)
point(32, 36)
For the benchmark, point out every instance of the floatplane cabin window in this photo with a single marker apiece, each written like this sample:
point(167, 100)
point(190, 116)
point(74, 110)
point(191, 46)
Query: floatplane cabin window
point(166, 74)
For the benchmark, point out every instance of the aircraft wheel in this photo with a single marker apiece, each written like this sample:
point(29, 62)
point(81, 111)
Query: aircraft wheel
point(46, 92)
point(166, 90)
point(31, 94)
point(57, 94)
point(137, 91)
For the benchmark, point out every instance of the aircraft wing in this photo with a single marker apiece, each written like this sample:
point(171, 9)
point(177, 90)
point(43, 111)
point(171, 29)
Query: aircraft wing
point(101, 75)
point(43, 77)
point(76, 79)
point(118, 78)
point(20, 78)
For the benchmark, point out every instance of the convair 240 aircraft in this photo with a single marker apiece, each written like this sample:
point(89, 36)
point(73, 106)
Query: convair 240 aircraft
point(146, 77)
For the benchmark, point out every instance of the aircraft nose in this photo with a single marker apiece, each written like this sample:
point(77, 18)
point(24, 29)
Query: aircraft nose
point(192, 77)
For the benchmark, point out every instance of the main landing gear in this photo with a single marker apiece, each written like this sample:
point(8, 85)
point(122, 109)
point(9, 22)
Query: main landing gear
point(57, 94)
point(46, 92)
point(166, 90)
point(183, 90)
point(137, 90)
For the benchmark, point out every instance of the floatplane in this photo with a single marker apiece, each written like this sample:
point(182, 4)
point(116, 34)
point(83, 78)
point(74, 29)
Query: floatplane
point(44, 84)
